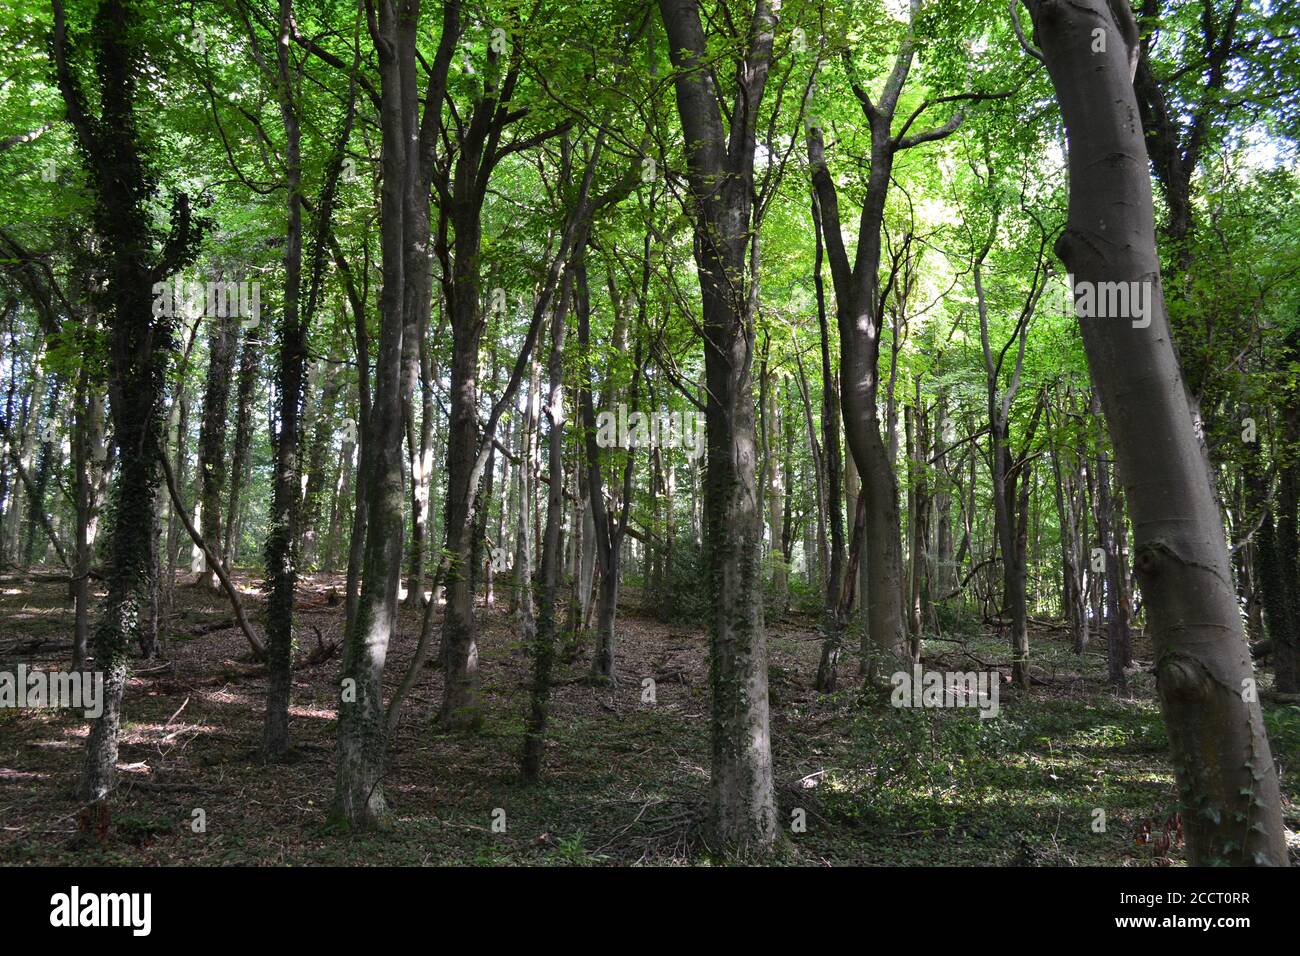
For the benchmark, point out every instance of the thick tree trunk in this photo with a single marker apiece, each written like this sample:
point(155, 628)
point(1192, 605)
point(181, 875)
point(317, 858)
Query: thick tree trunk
point(139, 341)
point(1221, 756)
point(743, 812)
point(460, 707)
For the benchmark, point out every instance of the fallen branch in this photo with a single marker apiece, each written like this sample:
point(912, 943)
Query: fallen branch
point(258, 648)
point(1277, 697)
point(421, 652)
point(322, 652)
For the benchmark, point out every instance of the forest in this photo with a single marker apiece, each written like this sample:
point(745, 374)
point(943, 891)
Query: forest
point(615, 433)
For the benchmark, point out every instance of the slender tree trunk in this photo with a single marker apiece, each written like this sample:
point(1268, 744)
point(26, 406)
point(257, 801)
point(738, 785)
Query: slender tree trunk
point(421, 459)
point(322, 428)
point(87, 447)
point(607, 530)
point(832, 620)
point(524, 501)
point(282, 535)
point(544, 641)
point(1108, 532)
point(248, 367)
point(212, 431)
point(359, 797)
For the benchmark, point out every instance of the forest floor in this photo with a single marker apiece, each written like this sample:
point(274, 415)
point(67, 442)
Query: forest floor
point(624, 782)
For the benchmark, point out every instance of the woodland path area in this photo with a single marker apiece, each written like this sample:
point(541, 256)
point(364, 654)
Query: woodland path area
point(627, 780)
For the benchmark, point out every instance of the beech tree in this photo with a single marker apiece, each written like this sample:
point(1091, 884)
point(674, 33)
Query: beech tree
point(720, 165)
point(1220, 750)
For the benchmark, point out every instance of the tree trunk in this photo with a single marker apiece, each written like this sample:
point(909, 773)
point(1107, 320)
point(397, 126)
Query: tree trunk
point(359, 797)
point(607, 531)
point(544, 640)
point(140, 336)
point(1220, 751)
point(720, 175)
point(248, 369)
point(322, 428)
point(212, 431)
point(832, 620)
point(286, 489)
point(87, 447)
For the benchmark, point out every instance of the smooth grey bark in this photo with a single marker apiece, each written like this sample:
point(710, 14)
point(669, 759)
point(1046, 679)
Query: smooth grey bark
point(999, 402)
point(359, 800)
point(608, 531)
point(859, 313)
point(1222, 762)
